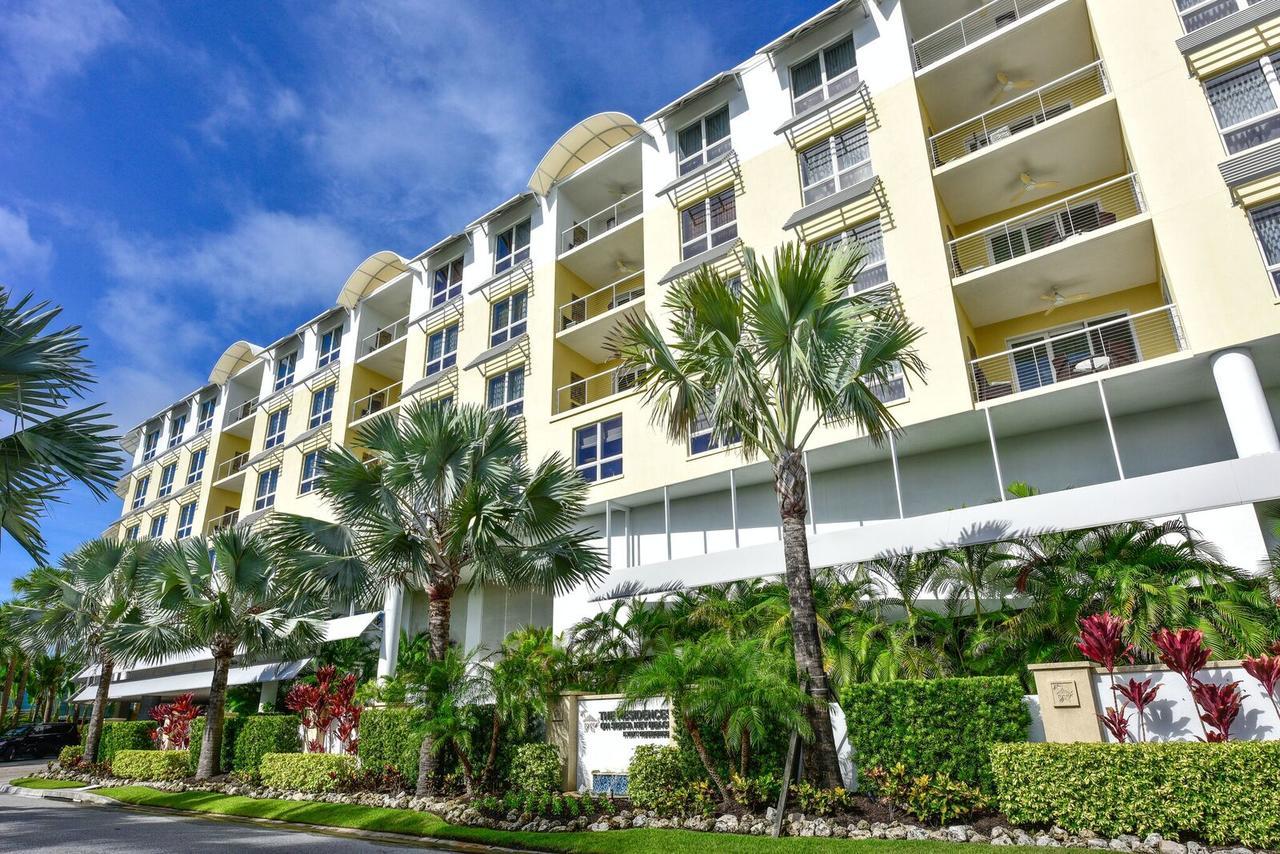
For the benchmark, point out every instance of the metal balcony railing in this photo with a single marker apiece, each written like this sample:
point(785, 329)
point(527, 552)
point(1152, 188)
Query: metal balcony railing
point(374, 402)
point(595, 387)
point(1023, 113)
point(1096, 207)
point(385, 336)
point(231, 466)
point(597, 302)
point(1089, 348)
point(239, 412)
point(218, 523)
point(976, 25)
point(597, 224)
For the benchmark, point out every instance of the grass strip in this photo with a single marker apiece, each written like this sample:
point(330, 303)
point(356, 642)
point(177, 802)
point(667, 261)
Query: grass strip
point(417, 823)
point(42, 783)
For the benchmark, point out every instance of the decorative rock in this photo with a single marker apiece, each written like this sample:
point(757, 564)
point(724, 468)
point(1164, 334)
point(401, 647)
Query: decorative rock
point(599, 826)
point(959, 832)
point(1168, 846)
point(727, 823)
point(640, 821)
point(1100, 844)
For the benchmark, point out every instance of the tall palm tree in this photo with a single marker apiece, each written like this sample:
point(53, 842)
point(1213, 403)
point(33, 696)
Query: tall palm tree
point(791, 348)
point(449, 499)
point(46, 446)
point(81, 603)
point(225, 595)
point(13, 657)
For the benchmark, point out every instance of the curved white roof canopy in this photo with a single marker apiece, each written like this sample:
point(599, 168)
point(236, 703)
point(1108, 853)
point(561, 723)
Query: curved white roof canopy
point(233, 359)
point(579, 145)
point(375, 271)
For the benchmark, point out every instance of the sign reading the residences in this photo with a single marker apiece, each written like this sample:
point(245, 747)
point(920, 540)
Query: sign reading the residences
point(608, 737)
point(634, 723)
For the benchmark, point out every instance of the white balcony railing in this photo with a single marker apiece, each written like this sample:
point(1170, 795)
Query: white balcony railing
point(385, 336)
point(593, 388)
point(218, 523)
point(603, 221)
point(1089, 348)
point(976, 25)
point(1096, 207)
point(241, 411)
point(377, 401)
point(597, 302)
point(231, 466)
point(1023, 113)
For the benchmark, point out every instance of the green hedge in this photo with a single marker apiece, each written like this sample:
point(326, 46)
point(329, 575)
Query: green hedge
point(655, 777)
point(121, 735)
point(392, 736)
point(304, 772)
point(1218, 792)
point(259, 735)
point(150, 764)
point(936, 725)
point(231, 726)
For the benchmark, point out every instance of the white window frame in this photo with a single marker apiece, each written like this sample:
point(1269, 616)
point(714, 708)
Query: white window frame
point(448, 358)
point(687, 162)
point(186, 520)
point(443, 401)
point(592, 472)
point(513, 328)
point(1207, 4)
point(264, 495)
point(513, 407)
point(881, 390)
point(286, 370)
point(131, 533)
point(307, 483)
point(825, 83)
point(518, 254)
point(195, 472)
point(140, 492)
point(206, 420)
point(325, 414)
point(1272, 268)
point(880, 269)
point(452, 288)
point(330, 346)
point(177, 425)
point(156, 529)
point(700, 428)
point(710, 238)
point(1269, 65)
point(840, 179)
point(277, 424)
point(168, 477)
point(150, 445)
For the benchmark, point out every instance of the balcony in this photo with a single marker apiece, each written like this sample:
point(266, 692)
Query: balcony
point(231, 467)
point(219, 523)
point(1086, 350)
point(601, 223)
point(586, 322)
point(1021, 114)
point(979, 24)
point(383, 400)
point(384, 337)
point(594, 388)
point(239, 418)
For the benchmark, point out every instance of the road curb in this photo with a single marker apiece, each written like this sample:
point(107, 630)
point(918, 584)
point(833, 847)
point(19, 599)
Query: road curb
point(77, 795)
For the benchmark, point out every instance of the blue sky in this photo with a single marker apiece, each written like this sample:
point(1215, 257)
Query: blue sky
point(179, 175)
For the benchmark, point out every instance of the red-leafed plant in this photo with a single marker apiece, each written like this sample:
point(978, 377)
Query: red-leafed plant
point(1141, 694)
point(174, 719)
point(1116, 722)
point(1219, 707)
point(327, 705)
point(1102, 640)
point(1266, 669)
point(1183, 651)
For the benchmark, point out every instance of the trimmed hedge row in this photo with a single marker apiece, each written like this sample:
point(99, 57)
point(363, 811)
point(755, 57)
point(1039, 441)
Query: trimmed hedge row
point(1218, 792)
point(247, 738)
point(392, 736)
point(150, 764)
point(933, 725)
point(121, 735)
point(305, 772)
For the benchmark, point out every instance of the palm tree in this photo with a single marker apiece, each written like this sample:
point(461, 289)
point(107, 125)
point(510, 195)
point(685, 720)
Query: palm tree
point(449, 497)
point(451, 691)
point(81, 603)
point(768, 362)
point(225, 595)
point(12, 655)
point(45, 447)
point(521, 682)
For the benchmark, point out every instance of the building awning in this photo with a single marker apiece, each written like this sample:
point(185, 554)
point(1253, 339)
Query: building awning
point(831, 202)
point(373, 272)
point(233, 360)
point(484, 220)
point(579, 145)
point(695, 93)
point(195, 682)
point(342, 628)
point(711, 255)
point(788, 38)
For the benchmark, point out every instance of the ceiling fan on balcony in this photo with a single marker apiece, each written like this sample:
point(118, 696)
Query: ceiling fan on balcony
point(1057, 299)
point(1030, 185)
point(625, 266)
point(1006, 86)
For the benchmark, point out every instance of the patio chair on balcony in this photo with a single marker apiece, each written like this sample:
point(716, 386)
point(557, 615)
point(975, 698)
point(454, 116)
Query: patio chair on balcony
point(988, 390)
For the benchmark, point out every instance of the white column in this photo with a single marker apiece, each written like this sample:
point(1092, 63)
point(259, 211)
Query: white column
point(1252, 429)
point(392, 608)
point(267, 699)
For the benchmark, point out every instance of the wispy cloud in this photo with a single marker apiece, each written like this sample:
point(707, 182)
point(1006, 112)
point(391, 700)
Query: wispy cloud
point(22, 256)
point(44, 40)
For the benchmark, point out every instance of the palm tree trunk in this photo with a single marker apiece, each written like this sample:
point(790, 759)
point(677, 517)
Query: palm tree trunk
point(8, 688)
point(494, 730)
point(823, 765)
point(215, 712)
point(100, 700)
point(695, 735)
point(744, 753)
point(426, 767)
point(22, 693)
point(468, 778)
point(439, 614)
point(50, 702)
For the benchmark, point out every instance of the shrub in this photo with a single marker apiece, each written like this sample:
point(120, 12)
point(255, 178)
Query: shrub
point(936, 726)
point(231, 726)
point(1218, 792)
point(546, 804)
point(71, 755)
point(392, 736)
point(386, 780)
point(811, 800)
point(121, 735)
point(305, 772)
point(758, 792)
point(150, 764)
point(654, 776)
point(934, 798)
point(259, 735)
point(535, 768)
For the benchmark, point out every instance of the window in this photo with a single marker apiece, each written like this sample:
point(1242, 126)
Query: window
point(140, 492)
point(836, 163)
point(167, 476)
point(442, 349)
point(330, 346)
point(894, 387)
point(131, 533)
point(150, 444)
point(703, 439)
point(442, 402)
point(875, 271)
point(195, 469)
point(506, 392)
point(511, 247)
point(206, 414)
point(266, 494)
point(310, 472)
point(1075, 350)
point(1244, 103)
point(597, 450)
point(827, 73)
point(1266, 225)
point(703, 141)
point(507, 317)
point(286, 367)
point(446, 284)
point(1034, 234)
point(1201, 13)
point(176, 428)
point(708, 223)
point(157, 526)
point(186, 520)
point(276, 423)
point(322, 406)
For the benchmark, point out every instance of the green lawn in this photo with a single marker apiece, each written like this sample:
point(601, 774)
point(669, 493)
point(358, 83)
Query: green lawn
point(42, 783)
point(425, 824)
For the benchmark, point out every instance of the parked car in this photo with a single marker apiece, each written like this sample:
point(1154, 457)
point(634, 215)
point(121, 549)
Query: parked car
point(37, 740)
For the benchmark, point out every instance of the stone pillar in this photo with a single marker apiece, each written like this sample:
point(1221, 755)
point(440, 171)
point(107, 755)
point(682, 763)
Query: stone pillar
point(392, 608)
point(1068, 701)
point(1252, 429)
point(562, 731)
point(267, 697)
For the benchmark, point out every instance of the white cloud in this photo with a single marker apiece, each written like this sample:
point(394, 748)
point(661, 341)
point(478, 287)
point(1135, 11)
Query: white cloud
point(22, 257)
point(44, 40)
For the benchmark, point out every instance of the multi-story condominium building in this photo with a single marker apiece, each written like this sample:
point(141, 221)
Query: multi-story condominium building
point(1078, 200)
